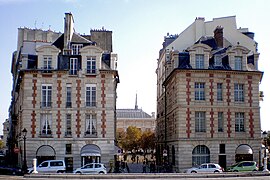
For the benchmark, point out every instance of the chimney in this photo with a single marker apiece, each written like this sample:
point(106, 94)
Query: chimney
point(218, 35)
point(68, 30)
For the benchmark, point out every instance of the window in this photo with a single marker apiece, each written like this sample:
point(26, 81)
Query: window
point(199, 62)
point(239, 122)
point(218, 60)
point(47, 62)
point(239, 92)
point(91, 65)
point(200, 122)
point(220, 121)
point(73, 66)
point(219, 92)
point(76, 48)
point(46, 96)
point(238, 63)
point(68, 149)
point(222, 148)
point(46, 120)
point(68, 100)
point(199, 91)
point(90, 95)
point(91, 124)
point(200, 155)
point(68, 125)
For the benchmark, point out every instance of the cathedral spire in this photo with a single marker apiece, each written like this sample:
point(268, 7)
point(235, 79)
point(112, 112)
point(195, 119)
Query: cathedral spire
point(136, 105)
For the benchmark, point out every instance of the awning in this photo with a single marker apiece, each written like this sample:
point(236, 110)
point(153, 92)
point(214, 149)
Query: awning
point(90, 150)
point(45, 151)
point(244, 149)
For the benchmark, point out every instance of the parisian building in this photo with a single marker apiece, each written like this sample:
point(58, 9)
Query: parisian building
point(64, 95)
point(135, 117)
point(208, 95)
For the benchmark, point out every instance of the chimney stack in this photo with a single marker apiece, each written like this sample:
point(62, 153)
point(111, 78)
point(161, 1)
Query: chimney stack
point(68, 29)
point(218, 35)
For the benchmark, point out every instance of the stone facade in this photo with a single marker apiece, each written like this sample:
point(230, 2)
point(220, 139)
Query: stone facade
point(208, 108)
point(66, 100)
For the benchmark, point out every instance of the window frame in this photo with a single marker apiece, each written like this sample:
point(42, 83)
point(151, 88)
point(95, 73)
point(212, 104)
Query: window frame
point(73, 66)
point(220, 122)
point(90, 95)
point(219, 92)
point(239, 122)
point(90, 124)
point(91, 63)
point(46, 95)
point(238, 63)
point(239, 95)
point(47, 62)
point(68, 96)
point(199, 61)
point(46, 124)
point(200, 121)
point(199, 91)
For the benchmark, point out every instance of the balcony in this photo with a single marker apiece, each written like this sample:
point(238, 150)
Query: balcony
point(46, 105)
point(90, 134)
point(45, 134)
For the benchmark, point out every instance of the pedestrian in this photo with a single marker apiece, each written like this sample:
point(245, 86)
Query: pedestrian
point(144, 167)
point(137, 159)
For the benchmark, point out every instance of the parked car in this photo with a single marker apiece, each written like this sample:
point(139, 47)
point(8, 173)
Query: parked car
point(206, 168)
point(92, 168)
point(243, 166)
point(10, 170)
point(50, 166)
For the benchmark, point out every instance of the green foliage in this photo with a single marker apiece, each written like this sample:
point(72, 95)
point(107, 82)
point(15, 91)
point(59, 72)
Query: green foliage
point(134, 139)
point(2, 144)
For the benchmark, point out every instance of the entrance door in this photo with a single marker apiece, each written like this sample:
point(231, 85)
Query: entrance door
point(69, 164)
point(222, 161)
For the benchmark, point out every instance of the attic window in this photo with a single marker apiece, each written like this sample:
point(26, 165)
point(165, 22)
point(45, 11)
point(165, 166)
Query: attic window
point(218, 60)
point(76, 48)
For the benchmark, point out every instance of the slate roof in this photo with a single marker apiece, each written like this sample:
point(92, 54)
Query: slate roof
point(132, 114)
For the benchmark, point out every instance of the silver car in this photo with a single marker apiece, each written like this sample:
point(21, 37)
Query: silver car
point(92, 168)
point(206, 168)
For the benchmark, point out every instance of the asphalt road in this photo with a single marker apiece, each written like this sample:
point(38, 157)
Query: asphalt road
point(6, 177)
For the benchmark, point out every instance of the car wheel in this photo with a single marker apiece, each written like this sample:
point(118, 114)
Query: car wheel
point(254, 170)
point(60, 171)
point(78, 172)
point(101, 172)
point(235, 171)
point(193, 172)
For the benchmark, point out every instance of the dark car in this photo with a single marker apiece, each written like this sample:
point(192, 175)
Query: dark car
point(10, 170)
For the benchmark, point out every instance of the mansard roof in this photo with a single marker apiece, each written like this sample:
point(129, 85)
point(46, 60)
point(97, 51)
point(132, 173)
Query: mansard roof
point(132, 114)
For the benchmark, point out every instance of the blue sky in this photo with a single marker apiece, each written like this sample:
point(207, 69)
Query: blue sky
point(139, 27)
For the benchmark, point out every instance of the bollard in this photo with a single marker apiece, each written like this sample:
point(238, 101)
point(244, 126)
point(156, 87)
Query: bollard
point(35, 166)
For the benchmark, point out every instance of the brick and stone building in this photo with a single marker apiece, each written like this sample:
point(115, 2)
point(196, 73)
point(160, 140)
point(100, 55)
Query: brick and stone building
point(135, 117)
point(64, 95)
point(208, 95)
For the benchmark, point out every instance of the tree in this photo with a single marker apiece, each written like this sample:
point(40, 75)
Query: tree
point(147, 141)
point(133, 136)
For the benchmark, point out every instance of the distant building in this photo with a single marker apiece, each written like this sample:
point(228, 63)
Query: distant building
point(208, 95)
point(135, 117)
point(64, 94)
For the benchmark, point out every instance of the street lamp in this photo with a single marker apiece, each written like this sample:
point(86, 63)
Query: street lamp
point(264, 134)
point(24, 167)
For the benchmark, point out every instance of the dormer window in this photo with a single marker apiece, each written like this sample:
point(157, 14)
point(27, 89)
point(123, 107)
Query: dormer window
point(47, 62)
point(76, 49)
point(199, 61)
point(91, 65)
point(217, 60)
point(238, 63)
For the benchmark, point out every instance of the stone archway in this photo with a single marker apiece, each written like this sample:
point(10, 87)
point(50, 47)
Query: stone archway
point(243, 153)
point(90, 153)
point(200, 155)
point(45, 152)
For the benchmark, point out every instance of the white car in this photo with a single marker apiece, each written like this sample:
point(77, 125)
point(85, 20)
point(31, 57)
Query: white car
point(92, 168)
point(50, 166)
point(206, 168)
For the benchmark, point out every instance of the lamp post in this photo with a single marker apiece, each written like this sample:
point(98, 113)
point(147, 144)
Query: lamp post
point(24, 167)
point(265, 158)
